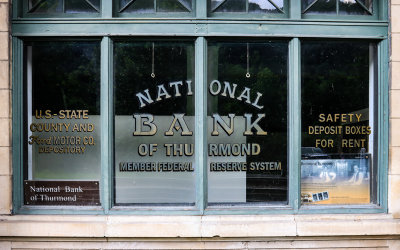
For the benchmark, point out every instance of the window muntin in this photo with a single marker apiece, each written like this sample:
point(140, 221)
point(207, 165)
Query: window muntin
point(338, 122)
point(247, 85)
point(154, 123)
point(62, 119)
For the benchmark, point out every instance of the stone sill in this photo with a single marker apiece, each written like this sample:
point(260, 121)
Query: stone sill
point(225, 226)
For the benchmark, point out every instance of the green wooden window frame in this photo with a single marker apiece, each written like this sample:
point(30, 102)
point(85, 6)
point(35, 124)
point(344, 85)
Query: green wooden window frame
point(200, 27)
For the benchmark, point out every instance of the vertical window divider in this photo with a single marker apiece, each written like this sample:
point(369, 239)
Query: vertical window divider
point(201, 123)
point(106, 8)
point(106, 114)
point(295, 9)
point(383, 123)
point(201, 9)
point(337, 7)
point(294, 125)
point(17, 122)
point(16, 7)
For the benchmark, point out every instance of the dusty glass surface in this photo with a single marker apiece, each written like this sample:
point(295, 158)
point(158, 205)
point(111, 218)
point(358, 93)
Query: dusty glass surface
point(45, 6)
point(319, 7)
point(229, 6)
point(262, 6)
point(247, 122)
point(62, 124)
point(174, 5)
point(247, 6)
point(61, 6)
point(154, 123)
point(146, 6)
point(85, 6)
point(353, 7)
point(62, 136)
point(345, 7)
point(338, 122)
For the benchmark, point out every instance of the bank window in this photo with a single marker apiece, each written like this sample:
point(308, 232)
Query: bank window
point(247, 122)
point(62, 123)
point(338, 163)
point(204, 115)
point(154, 123)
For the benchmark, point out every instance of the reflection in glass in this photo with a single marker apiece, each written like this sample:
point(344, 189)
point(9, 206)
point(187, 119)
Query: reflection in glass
point(230, 6)
point(174, 5)
point(250, 6)
point(265, 6)
point(146, 6)
point(57, 6)
point(353, 7)
point(164, 70)
point(62, 111)
point(319, 7)
point(346, 7)
point(247, 84)
point(79, 6)
point(45, 6)
point(338, 81)
point(140, 6)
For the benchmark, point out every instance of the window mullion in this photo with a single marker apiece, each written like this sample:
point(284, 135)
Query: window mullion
point(294, 118)
point(106, 123)
point(294, 9)
point(17, 122)
point(201, 9)
point(201, 122)
point(106, 8)
point(383, 123)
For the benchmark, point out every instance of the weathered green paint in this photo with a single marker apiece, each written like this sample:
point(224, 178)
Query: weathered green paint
point(207, 28)
point(294, 128)
point(201, 121)
point(383, 122)
point(17, 122)
point(107, 119)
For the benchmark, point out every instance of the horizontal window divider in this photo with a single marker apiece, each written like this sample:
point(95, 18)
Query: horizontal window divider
point(212, 29)
point(196, 21)
point(343, 210)
point(61, 210)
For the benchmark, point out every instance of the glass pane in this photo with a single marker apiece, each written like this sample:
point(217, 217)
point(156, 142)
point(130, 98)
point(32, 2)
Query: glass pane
point(367, 4)
point(174, 5)
point(154, 123)
point(229, 5)
point(338, 121)
point(247, 122)
point(62, 110)
point(138, 6)
point(351, 7)
point(82, 6)
point(45, 6)
point(319, 7)
point(265, 6)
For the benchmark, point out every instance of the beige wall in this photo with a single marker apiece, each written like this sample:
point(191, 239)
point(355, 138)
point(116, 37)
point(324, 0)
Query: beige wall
point(5, 110)
point(375, 231)
point(394, 152)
